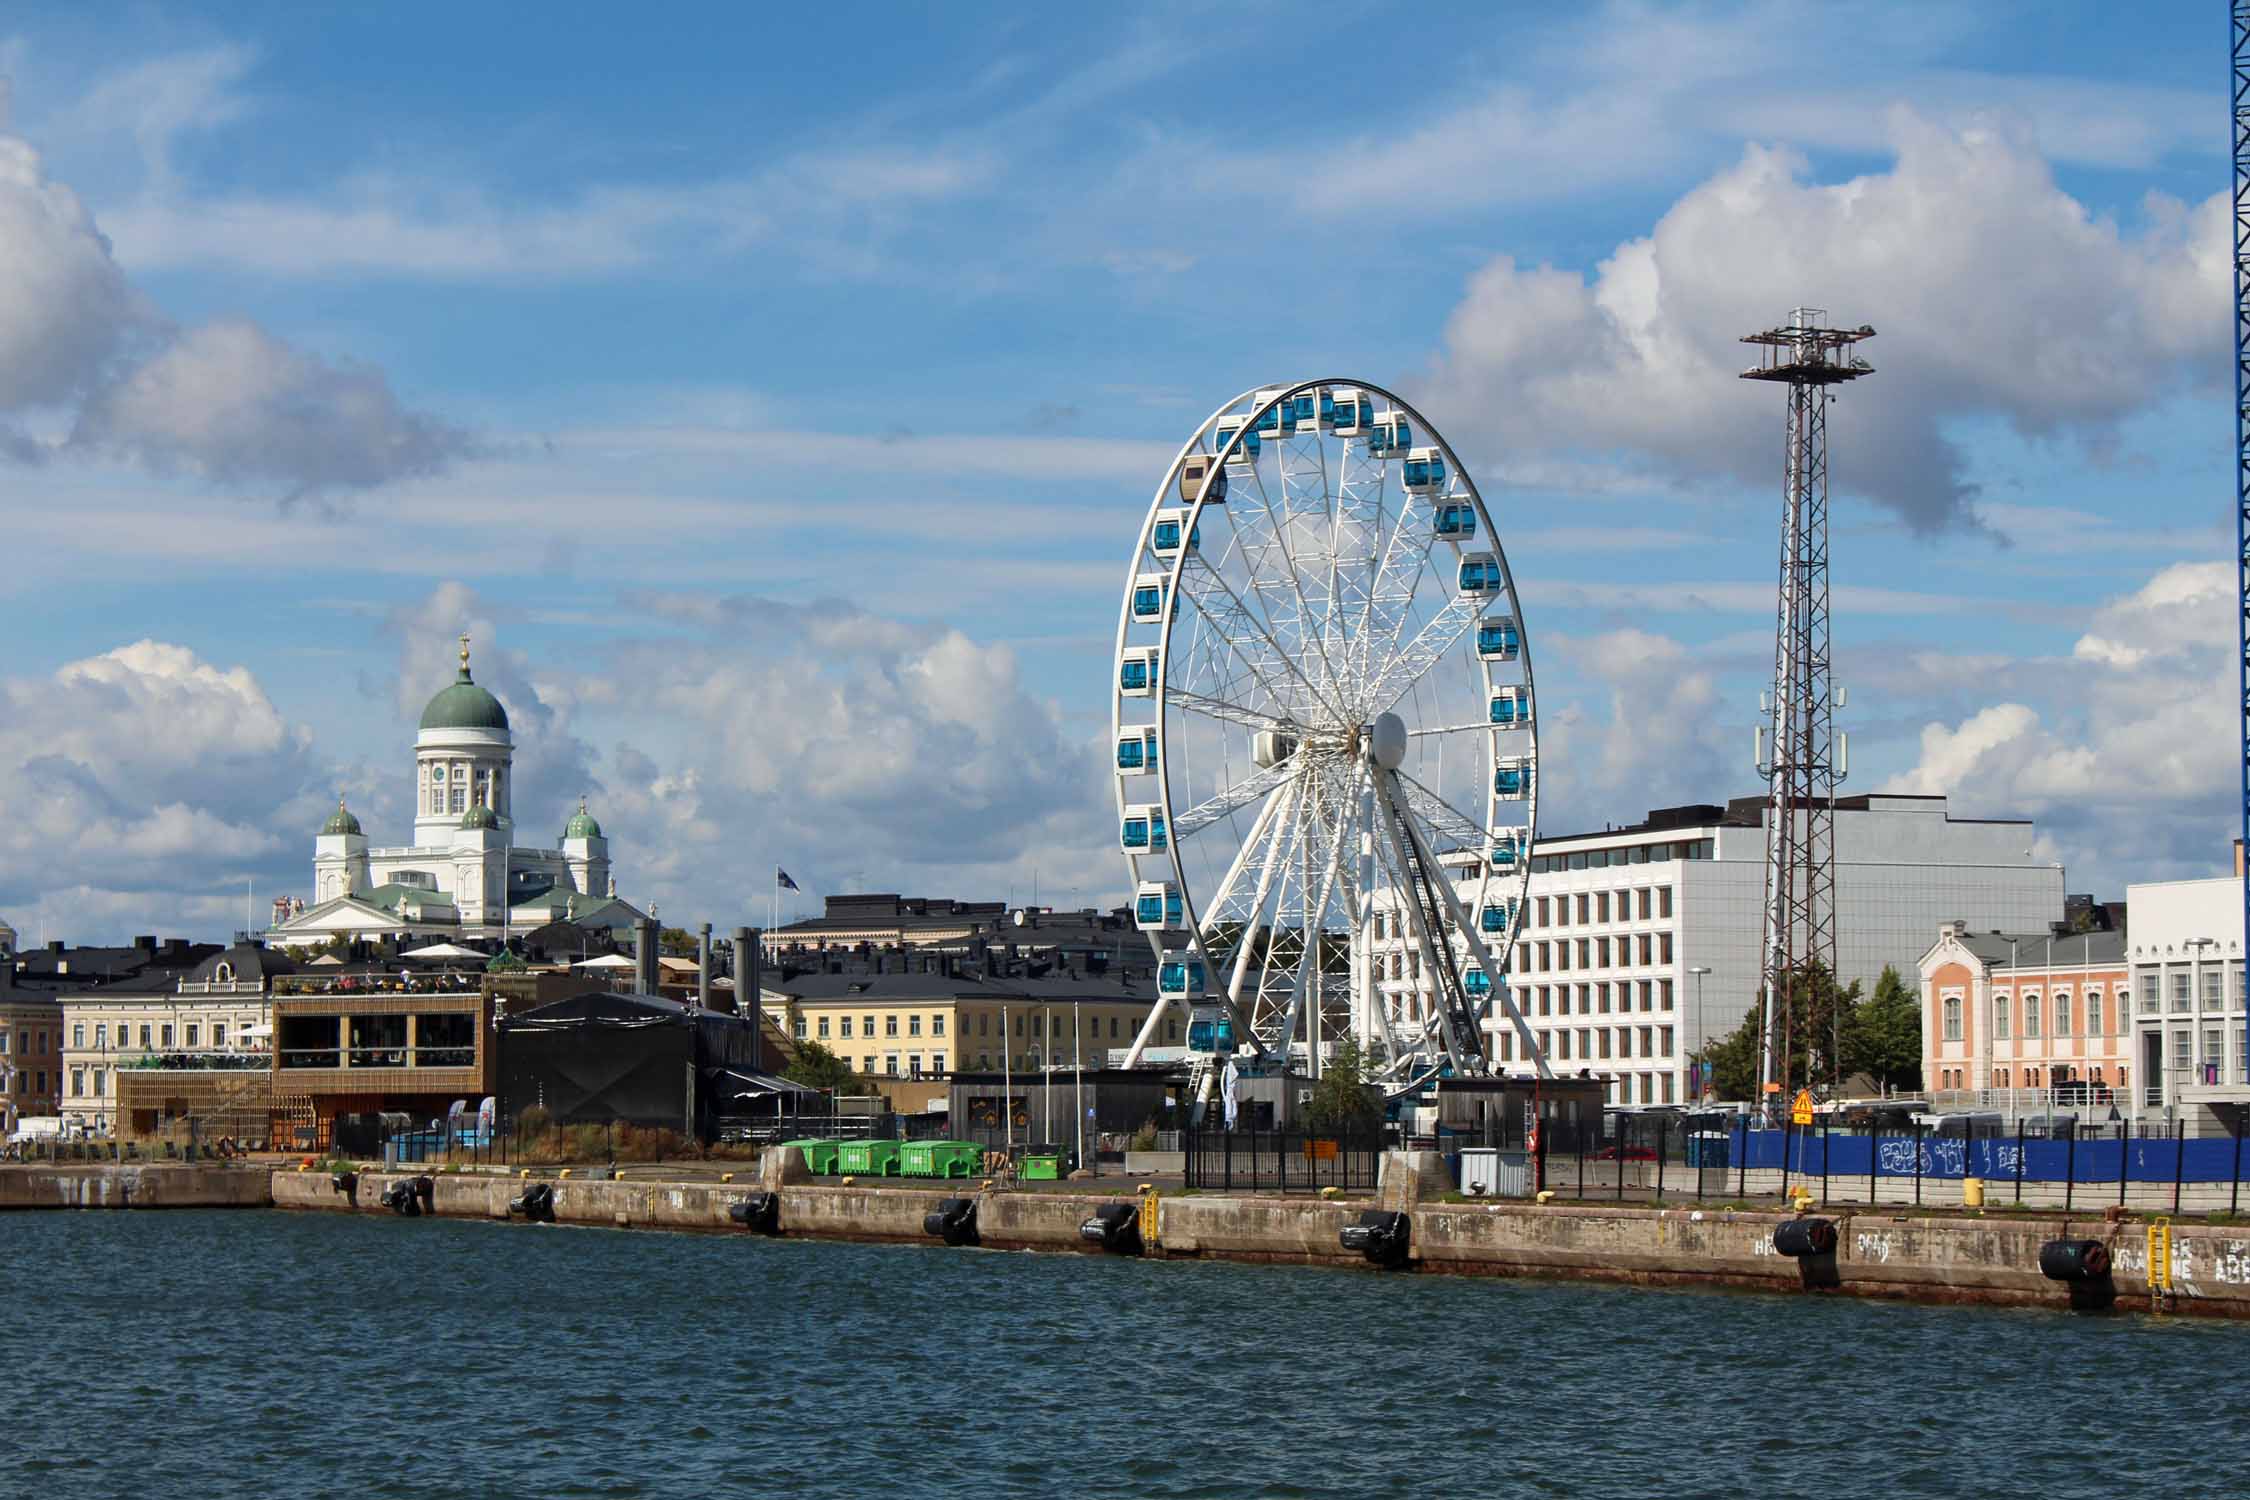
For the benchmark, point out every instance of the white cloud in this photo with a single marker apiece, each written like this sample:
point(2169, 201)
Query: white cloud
point(230, 404)
point(226, 402)
point(146, 778)
point(65, 307)
point(1998, 294)
point(2128, 758)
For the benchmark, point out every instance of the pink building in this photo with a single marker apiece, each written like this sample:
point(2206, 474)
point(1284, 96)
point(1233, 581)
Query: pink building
point(2007, 1013)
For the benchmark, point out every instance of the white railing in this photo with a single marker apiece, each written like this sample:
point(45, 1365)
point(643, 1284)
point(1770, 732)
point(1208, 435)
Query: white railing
point(2080, 1099)
point(222, 987)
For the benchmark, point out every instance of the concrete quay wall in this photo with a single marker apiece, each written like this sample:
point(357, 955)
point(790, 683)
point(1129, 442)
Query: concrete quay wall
point(133, 1186)
point(1951, 1259)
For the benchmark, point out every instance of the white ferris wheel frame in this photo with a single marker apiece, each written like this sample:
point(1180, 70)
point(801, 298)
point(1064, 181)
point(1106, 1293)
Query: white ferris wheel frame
point(1277, 796)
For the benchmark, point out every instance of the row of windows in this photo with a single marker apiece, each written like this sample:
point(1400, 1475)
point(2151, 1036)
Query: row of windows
point(1598, 999)
point(1633, 950)
point(1595, 1043)
point(917, 1065)
point(190, 1035)
point(32, 1041)
point(23, 1083)
point(1632, 854)
point(1642, 904)
point(2183, 991)
point(2095, 1014)
point(78, 1082)
point(153, 1037)
point(1032, 1023)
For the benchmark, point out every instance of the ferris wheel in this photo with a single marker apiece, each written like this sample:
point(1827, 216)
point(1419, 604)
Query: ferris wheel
point(1326, 753)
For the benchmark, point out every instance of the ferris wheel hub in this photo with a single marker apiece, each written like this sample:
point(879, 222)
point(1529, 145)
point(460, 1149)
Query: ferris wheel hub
point(1386, 741)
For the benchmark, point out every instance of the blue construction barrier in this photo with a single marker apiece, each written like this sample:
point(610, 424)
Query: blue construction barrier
point(1835, 1154)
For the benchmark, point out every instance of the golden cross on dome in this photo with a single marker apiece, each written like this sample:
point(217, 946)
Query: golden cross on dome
point(464, 651)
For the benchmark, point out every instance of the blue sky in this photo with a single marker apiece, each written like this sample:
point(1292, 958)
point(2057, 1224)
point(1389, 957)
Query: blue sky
point(775, 396)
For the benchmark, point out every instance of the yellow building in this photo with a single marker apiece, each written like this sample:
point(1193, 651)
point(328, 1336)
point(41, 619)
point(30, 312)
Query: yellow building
point(931, 1025)
point(221, 1013)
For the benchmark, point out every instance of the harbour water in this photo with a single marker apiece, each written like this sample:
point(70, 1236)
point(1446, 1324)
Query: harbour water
point(245, 1354)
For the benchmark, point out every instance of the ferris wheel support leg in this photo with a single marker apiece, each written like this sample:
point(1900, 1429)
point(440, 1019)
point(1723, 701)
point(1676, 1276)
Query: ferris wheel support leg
point(1457, 1047)
point(1308, 967)
point(1364, 1014)
point(1482, 956)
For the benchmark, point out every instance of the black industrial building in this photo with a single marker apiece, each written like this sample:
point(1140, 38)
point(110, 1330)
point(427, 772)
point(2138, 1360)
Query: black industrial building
point(639, 1059)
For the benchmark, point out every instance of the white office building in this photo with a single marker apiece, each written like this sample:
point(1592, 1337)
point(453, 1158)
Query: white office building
point(1641, 941)
point(2184, 940)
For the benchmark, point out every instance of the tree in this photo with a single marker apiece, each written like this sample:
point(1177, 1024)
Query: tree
point(1885, 1038)
point(1342, 1101)
point(505, 962)
point(816, 1067)
point(1822, 1033)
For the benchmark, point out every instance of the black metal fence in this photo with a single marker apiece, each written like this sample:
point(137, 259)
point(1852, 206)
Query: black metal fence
point(1281, 1161)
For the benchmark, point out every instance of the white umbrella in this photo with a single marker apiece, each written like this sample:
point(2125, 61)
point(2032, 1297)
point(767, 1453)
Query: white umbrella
point(442, 950)
point(607, 961)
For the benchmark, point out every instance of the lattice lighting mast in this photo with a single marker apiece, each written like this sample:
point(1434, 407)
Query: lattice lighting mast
point(1798, 749)
point(2242, 409)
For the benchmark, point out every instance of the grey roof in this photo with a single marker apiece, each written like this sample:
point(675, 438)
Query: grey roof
point(2040, 950)
point(248, 961)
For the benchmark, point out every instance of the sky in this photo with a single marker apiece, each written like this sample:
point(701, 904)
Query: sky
point(775, 395)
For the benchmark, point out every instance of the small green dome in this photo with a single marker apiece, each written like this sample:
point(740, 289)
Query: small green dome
point(479, 816)
point(464, 705)
point(582, 824)
point(340, 821)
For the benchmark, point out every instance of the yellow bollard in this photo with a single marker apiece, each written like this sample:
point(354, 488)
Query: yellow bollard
point(847, 1182)
point(1331, 1192)
point(726, 1177)
point(524, 1172)
point(1972, 1192)
point(565, 1172)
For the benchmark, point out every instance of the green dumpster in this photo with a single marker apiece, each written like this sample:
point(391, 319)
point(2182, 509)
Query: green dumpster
point(1041, 1169)
point(820, 1156)
point(940, 1159)
point(868, 1158)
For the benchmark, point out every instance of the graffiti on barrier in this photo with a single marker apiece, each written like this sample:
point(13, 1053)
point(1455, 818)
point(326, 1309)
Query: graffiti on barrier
point(1874, 1245)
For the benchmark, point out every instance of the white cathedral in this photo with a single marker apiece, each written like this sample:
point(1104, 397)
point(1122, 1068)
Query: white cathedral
point(463, 876)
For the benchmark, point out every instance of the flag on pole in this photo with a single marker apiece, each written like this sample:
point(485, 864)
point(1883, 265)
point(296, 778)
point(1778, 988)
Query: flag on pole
point(781, 878)
point(1229, 1094)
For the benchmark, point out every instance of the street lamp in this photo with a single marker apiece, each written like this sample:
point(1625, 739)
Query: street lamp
point(1703, 1042)
point(2195, 946)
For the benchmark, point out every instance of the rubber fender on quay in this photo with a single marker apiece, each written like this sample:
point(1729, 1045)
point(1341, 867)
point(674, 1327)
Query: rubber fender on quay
point(955, 1222)
point(1805, 1237)
point(536, 1203)
point(346, 1183)
point(1381, 1236)
point(2074, 1260)
point(760, 1213)
point(1116, 1227)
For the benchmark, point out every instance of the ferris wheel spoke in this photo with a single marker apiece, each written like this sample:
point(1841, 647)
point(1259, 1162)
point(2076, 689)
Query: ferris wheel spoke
point(1224, 711)
point(1265, 665)
point(1443, 816)
point(1439, 635)
point(1225, 804)
point(1278, 527)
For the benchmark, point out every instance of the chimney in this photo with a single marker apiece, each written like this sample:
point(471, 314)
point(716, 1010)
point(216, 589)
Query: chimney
point(703, 967)
point(146, 942)
point(749, 967)
point(644, 955)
